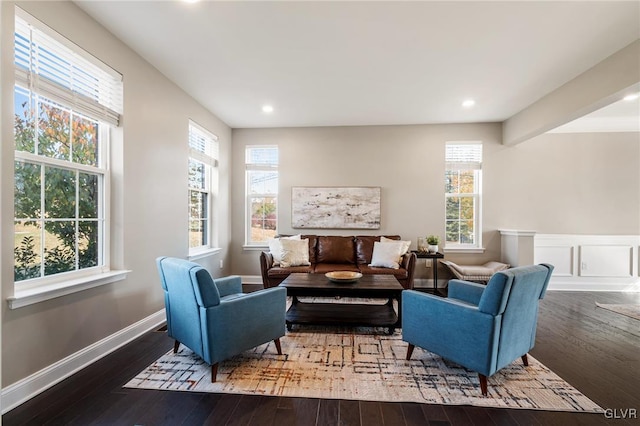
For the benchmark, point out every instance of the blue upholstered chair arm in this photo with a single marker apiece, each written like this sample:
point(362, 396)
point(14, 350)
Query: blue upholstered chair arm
point(428, 306)
point(228, 285)
point(466, 291)
point(267, 303)
point(238, 324)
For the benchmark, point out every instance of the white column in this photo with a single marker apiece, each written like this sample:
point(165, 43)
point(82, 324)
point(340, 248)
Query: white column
point(517, 247)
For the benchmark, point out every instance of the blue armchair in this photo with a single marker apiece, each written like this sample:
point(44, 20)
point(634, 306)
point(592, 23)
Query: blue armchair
point(214, 318)
point(482, 328)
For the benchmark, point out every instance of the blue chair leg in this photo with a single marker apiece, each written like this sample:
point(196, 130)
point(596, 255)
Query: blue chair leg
point(410, 351)
point(483, 384)
point(214, 372)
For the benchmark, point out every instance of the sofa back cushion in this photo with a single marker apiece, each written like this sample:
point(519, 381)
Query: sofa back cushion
point(335, 249)
point(364, 246)
point(313, 242)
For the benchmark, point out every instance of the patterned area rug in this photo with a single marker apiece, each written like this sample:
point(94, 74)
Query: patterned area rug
point(632, 311)
point(361, 364)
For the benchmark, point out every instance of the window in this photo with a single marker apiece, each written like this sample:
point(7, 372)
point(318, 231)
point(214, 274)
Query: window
point(203, 184)
point(65, 102)
point(463, 188)
point(262, 193)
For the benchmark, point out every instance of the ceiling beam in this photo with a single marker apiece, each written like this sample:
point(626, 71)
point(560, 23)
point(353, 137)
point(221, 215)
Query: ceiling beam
point(597, 87)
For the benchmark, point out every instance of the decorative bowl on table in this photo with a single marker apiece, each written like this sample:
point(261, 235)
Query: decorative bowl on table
point(343, 276)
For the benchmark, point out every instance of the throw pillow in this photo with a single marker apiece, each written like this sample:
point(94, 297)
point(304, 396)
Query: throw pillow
point(386, 254)
point(294, 252)
point(405, 246)
point(276, 248)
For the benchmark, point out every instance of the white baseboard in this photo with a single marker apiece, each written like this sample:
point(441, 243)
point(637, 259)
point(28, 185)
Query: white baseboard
point(587, 285)
point(25, 389)
point(428, 283)
point(251, 279)
point(560, 284)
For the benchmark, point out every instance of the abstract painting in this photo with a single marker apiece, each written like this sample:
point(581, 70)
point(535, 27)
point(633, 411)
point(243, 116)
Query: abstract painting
point(335, 207)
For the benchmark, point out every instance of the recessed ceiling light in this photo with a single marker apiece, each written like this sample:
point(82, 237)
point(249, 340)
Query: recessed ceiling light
point(267, 108)
point(632, 97)
point(468, 103)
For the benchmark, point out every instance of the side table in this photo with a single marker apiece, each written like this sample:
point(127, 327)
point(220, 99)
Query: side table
point(434, 265)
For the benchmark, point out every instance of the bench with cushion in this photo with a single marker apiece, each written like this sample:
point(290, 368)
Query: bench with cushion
point(475, 273)
point(367, 254)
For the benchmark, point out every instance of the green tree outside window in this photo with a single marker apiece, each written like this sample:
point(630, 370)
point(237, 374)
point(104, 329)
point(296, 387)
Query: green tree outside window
point(57, 220)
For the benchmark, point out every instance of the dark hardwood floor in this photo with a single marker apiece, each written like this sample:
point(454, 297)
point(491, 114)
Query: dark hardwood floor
point(595, 350)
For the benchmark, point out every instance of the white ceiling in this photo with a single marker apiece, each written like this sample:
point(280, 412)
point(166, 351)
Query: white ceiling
point(368, 63)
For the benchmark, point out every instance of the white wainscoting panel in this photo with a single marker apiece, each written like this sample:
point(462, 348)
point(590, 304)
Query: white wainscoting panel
point(590, 262)
point(606, 261)
point(561, 257)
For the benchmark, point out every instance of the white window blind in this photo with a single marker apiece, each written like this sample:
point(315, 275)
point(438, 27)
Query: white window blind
point(203, 145)
point(463, 156)
point(261, 156)
point(45, 65)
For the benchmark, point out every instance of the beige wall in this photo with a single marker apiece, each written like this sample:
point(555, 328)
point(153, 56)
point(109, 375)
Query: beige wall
point(582, 183)
point(407, 162)
point(556, 183)
point(149, 211)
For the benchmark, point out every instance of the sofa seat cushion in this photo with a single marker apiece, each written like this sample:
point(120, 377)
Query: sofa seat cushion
point(278, 271)
point(323, 268)
point(400, 273)
point(335, 249)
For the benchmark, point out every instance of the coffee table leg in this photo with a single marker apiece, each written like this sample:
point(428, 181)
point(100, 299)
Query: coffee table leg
point(399, 322)
point(294, 302)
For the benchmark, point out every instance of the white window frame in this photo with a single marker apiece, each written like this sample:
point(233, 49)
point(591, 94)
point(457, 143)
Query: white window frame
point(204, 149)
point(470, 160)
point(250, 167)
point(101, 102)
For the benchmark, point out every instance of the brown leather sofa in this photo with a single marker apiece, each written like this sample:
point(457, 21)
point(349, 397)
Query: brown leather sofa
point(329, 253)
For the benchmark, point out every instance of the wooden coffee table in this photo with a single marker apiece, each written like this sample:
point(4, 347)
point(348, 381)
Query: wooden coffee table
point(350, 314)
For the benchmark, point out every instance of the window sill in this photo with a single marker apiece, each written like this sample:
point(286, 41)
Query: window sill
point(464, 250)
point(256, 247)
point(30, 296)
point(203, 253)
